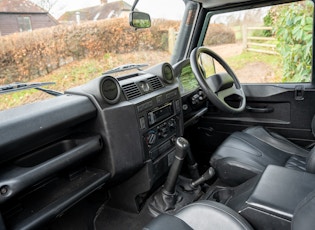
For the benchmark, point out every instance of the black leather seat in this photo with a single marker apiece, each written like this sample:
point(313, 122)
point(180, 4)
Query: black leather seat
point(204, 215)
point(246, 154)
point(201, 215)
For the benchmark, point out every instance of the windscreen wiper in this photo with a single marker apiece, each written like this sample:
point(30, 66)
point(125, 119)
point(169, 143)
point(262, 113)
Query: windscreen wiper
point(126, 67)
point(17, 86)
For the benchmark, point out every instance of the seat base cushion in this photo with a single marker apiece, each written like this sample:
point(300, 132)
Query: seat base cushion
point(166, 221)
point(201, 215)
point(246, 154)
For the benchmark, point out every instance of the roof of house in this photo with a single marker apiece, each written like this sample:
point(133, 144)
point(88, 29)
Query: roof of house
point(102, 11)
point(19, 6)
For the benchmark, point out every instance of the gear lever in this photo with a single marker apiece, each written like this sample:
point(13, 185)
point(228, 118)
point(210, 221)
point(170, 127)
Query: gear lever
point(182, 148)
point(192, 165)
point(206, 176)
point(166, 198)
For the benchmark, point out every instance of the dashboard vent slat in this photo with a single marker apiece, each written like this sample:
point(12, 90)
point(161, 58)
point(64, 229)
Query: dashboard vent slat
point(131, 91)
point(155, 83)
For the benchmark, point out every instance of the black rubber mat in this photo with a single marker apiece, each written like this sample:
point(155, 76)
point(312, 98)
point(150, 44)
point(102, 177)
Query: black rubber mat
point(110, 218)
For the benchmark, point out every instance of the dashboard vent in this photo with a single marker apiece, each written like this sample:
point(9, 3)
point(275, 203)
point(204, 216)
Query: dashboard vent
point(155, 83)
point(131, 91)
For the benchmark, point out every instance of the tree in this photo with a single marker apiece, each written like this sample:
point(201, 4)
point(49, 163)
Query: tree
point(45, 4)
point(293, 28)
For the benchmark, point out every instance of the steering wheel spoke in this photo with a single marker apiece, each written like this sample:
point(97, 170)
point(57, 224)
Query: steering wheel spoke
point(219, 86)
point(210, 84)
point(227, 93)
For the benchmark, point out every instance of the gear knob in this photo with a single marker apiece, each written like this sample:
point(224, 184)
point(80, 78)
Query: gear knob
point(206, 176)
point(182, 146)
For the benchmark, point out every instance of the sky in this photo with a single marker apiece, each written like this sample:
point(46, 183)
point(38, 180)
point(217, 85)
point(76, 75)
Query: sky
point(169, 9)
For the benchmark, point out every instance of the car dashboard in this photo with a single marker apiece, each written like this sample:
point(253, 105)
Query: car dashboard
point(58, 151)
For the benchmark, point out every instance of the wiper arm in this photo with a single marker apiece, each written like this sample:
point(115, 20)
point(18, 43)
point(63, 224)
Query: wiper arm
point(49, 91)
point(126, 67)
point(13, 87)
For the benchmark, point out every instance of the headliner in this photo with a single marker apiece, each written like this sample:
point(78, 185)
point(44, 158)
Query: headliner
point(220, 3)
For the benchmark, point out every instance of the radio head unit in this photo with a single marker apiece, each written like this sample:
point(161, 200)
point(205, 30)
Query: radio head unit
point(160, 113)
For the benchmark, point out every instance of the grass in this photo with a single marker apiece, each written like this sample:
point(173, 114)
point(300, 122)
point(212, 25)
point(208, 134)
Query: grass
point(273, 61)
point(243, 59)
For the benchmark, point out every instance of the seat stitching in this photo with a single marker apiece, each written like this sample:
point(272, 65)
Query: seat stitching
point(297, 162)
point(285, 141)
point(254, 169)
point(232, 147)
point(245, 141)
point(292, 165)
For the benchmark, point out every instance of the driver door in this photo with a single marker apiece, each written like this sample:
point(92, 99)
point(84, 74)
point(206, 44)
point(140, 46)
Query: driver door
point(275, 75)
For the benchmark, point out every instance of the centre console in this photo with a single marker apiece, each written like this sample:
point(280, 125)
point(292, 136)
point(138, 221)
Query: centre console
point(273, 201)
point(162, 128)
point(159, 122)
point(139, 117)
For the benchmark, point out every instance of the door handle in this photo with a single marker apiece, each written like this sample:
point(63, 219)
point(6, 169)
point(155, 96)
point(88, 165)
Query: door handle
point(259, 110)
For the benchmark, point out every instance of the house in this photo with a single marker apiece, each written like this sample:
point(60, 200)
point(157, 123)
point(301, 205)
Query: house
point(23, 15)
point(106, 10)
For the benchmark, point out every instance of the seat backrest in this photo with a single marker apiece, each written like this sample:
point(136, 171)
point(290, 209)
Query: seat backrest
point(310, 161)
point(304, 215)
point(313, 125)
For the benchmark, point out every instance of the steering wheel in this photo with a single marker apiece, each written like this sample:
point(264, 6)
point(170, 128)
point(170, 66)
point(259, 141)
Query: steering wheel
point(218, 87)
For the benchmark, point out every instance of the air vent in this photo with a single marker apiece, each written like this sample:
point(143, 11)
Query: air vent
point(110, 90)
point(131, 91)
point(155, 83)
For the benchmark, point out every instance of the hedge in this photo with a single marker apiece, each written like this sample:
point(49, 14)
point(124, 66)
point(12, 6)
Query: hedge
point(219, 34)
point(25, 56)
point(28, 55)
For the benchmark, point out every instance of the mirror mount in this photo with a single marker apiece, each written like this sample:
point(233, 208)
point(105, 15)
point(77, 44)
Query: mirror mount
point(134, 5)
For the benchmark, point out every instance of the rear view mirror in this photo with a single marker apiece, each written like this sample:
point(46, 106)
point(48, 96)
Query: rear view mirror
point(139, 20)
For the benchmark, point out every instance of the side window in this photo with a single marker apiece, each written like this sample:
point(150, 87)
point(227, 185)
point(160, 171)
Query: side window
point(265, 45)
point(24, 23)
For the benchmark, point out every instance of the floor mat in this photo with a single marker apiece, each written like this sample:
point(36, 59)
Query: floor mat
point(110, 218)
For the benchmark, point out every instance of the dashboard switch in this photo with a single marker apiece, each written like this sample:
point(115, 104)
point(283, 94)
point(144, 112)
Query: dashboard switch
point(151, 138)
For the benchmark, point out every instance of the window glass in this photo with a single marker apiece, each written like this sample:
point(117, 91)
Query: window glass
point(73, 42)
point(265, 45)
point(24, 24)
point(188, 81)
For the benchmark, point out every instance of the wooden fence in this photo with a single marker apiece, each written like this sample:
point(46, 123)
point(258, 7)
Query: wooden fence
point(250, 43)
point(258, 44)
point(172, 35)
